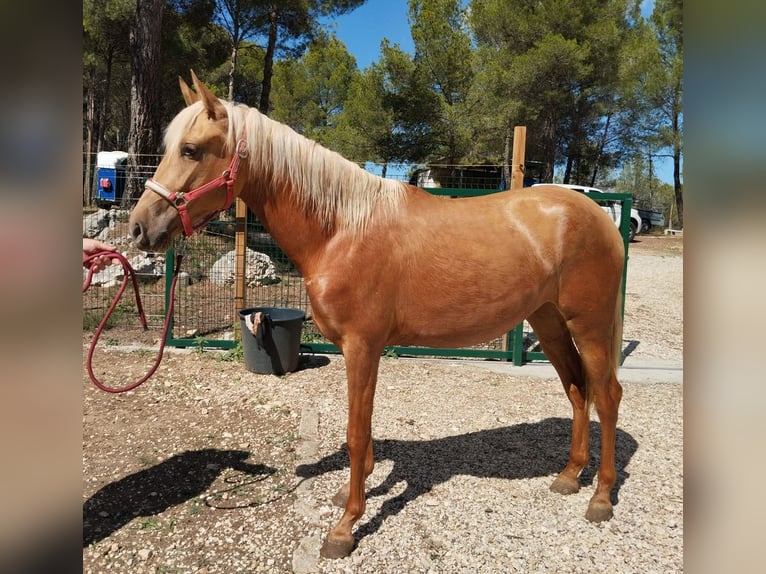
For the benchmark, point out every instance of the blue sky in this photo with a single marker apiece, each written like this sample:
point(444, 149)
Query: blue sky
point(363, 29)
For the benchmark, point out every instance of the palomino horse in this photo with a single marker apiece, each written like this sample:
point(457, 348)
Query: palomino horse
point(378, 257)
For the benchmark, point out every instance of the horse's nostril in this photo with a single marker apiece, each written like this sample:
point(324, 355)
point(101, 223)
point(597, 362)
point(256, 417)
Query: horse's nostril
point(136, 231)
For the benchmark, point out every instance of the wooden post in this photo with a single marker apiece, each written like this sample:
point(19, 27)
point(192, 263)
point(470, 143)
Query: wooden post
point(519, 147)
point(240, 246)
point(515, 337)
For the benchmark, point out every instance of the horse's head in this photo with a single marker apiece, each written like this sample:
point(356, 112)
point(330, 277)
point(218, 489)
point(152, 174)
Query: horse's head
point(195, 179)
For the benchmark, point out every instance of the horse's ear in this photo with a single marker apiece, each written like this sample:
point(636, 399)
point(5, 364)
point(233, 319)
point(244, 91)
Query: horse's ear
point(190, 96)
point(215, 109)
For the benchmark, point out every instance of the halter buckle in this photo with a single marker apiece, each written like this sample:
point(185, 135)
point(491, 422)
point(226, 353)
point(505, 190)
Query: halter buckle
point(242, 149)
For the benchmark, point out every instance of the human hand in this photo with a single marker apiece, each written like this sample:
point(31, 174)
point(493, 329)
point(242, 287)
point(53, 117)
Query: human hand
point(92, 246)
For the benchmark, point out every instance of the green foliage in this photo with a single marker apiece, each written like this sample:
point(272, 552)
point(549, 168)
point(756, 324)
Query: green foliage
point(149, 524)
point(187, 41)
point(199, 344)
point(309, 94)
point(284, 28)
point(562, 59)
point(391, 112)
point(236, 354)
point(637, 178)
point(364, 125)
point(123, 314)
point(596, 84)
point(444, 62)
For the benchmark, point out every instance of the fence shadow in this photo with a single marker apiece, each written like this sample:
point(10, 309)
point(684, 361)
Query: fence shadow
point(526, 450)
point(308, 360)
point(157, 488)
point(629, 348)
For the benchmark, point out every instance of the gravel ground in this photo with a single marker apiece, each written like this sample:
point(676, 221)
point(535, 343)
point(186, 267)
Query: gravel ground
point(209, 468)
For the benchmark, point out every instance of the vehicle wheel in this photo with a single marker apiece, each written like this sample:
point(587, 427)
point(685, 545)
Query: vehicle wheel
point(632, 235)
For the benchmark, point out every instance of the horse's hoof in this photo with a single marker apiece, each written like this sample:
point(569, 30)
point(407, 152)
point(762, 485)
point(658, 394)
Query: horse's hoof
point(334, 548)
point(599, 511)
point(565, 485)
point(341, 498)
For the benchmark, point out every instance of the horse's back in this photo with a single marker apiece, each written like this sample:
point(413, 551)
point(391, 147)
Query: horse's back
point(550, 221)
point(460, 271)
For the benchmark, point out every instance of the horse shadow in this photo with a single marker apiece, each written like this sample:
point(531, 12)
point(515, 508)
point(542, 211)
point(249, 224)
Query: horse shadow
point(526, 450)
point(153, 490)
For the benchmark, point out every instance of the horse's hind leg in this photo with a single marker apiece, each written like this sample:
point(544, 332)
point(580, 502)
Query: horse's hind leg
point(606, 394)
point(556, 341)
point(588, 372)
point(598, 336)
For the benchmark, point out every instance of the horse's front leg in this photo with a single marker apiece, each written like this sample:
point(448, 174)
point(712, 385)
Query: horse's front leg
point(341, 497)
point(362, 372)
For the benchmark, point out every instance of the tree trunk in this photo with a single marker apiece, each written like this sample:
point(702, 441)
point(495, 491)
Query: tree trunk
point(103, 116)
point(232, 70)
point(601, 147)
point(90, 113)
point(679, 195)
point(144, 134)
point(568, 169)
point(268, 63)
point(507, 159)
point(549, 148)
point(677, 187)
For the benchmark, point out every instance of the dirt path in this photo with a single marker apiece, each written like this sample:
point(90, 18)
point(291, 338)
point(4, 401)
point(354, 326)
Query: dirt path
point(210, 468)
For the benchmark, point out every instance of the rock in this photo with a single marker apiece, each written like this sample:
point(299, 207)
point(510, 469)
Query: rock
point(94, 223)
point(144, 553)
point(305, 556)
point(148, 267)
point(107, 277)
point(259, 269)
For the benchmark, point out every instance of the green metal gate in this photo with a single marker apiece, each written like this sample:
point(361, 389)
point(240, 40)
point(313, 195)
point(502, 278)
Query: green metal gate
point(203, 319)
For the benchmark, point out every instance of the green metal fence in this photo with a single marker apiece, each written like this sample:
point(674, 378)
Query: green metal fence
point(204, 314)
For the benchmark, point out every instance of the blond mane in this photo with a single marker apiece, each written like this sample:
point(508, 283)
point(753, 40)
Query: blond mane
point(341, 194)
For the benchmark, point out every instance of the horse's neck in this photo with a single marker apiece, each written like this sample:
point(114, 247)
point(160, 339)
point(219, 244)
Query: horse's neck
point(298, 234)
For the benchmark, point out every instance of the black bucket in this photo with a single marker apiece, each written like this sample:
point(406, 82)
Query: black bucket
point(274, 347)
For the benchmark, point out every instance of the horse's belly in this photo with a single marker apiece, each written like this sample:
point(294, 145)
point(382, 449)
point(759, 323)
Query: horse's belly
point(460, 325)
point(455, 338)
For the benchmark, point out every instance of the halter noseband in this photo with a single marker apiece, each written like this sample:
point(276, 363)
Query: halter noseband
point(181, 200)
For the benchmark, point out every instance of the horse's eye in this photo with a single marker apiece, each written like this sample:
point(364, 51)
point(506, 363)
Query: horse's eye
point(189, 151)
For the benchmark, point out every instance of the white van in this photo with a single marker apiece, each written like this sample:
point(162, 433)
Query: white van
point(613, 208)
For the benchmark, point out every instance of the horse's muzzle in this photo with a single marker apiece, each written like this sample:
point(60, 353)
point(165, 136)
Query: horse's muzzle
point(145, 240)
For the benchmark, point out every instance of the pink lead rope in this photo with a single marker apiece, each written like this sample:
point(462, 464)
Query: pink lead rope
point(129, 274)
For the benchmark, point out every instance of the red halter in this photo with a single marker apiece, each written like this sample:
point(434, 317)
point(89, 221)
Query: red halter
point(181, 200)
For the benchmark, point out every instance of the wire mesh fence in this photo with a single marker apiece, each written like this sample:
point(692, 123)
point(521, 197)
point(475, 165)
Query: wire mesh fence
point(205, 297)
